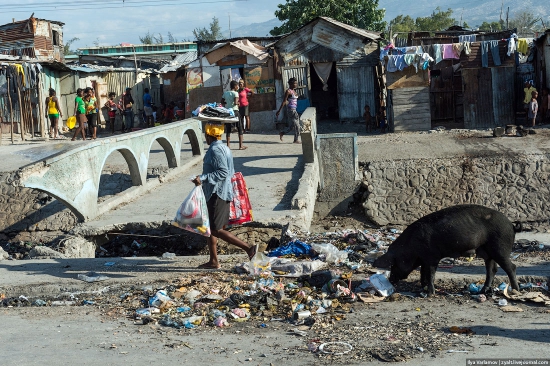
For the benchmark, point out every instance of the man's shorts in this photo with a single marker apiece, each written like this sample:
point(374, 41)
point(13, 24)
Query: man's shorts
point(218, 212)
point(148, 111)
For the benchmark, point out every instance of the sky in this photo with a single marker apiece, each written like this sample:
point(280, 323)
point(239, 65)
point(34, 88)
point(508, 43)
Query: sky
point(110, 22)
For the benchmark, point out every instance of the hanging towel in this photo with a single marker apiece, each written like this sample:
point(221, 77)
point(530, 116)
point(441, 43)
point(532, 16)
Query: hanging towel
point(467, 47)
point(437, 52)
point(523, 45)
point(467, 38)
point(484, 53)
point(410, 60)
point(458, 47)
point(449, 52)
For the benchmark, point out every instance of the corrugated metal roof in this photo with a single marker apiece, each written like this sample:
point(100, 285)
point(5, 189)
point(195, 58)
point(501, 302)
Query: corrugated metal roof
point(181, 60)
point(362, 32)
point(94, 68)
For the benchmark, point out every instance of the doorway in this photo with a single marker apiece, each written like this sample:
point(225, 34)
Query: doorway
point(324, 97)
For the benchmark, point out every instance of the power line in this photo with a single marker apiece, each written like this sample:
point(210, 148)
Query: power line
point(142, 4)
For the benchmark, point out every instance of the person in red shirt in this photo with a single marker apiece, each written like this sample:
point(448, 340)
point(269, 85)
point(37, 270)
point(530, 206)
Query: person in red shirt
point(244, 92)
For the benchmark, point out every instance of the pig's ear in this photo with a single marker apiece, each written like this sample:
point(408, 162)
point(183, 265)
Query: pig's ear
point(384, 261)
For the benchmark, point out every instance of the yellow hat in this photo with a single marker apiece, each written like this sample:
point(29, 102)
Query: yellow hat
point(214, 130)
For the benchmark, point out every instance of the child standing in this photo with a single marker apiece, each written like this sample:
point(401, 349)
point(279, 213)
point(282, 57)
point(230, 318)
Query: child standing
point(112, 108)
point(382, 119)
point(533, 108)
point(368, 119)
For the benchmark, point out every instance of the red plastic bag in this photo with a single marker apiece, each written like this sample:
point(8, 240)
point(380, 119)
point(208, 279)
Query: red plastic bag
point(240, 208)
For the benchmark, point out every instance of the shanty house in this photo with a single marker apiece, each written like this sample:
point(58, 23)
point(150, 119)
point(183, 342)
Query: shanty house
point(210, 75)
point(542, 63)
point(441, 80)
point(34, 38)
point(335, 65)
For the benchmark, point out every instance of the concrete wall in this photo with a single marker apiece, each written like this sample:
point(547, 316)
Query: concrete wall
point(399, 192)
point(25, 209)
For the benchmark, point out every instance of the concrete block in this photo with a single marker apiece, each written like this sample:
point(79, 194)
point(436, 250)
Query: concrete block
point(3, 254)
point(41, 252)
point(77, 247)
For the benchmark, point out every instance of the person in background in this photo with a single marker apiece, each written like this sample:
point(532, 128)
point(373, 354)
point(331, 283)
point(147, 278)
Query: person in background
point(126, 103)
point(368, 119)
point(90, 103)
point(544, 103)
point(217, 171)
point(382, 120)
point(176, 110)
point(169, 113)
point(53, 112)
point(533, 109)
point(293, 118)
point(148, 108)
point(111, 108)
point(528, 92)
point(230, 100)
point(80, 114)
point(244, 117)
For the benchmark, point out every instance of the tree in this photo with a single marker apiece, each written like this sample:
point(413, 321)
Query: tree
point(171, 38)
point(363, 14)
point(158, 39)
point(67, 46)
point(402, 24)
point(438, 21)
point(490, 27)
point(215, 32)
point(526, 23)
point(148, 38)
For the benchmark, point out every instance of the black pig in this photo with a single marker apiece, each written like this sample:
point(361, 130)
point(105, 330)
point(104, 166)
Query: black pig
point(452, 232)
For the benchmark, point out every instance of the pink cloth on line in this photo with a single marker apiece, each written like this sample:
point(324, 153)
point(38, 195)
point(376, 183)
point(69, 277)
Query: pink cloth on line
point(449, 52)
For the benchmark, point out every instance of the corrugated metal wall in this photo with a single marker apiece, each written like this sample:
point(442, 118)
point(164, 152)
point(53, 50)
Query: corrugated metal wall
point(301, 74)
point(488, 97)
point(355, 90)
point(410, 109)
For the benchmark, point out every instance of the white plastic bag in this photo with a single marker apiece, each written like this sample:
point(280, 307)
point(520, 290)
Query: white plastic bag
point(333, 255)
point(259, 264)
point(193, 213)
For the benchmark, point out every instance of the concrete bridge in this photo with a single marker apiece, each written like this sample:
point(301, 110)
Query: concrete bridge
point(73, 176)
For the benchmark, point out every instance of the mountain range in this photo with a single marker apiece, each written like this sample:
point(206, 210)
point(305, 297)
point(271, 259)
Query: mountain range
point(472, 12)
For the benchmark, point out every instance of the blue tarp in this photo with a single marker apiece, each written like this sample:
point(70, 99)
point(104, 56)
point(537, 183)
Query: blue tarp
point(295, 247)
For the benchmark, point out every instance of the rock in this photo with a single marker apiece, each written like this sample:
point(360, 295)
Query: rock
point(77, 247)
point(41, 252)
point(532, 131)
point(3, 254)
point(499, 132)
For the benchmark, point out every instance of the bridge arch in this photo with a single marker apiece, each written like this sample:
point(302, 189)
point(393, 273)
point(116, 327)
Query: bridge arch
point(194, 140)
point(131, 161)
point(168, 150)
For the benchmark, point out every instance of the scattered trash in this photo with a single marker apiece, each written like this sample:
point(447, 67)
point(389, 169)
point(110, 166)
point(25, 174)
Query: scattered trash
point(221, 322)
point(511, 309)
point(302, 314)
point(335, 348)
point(382, 284)
point(62, 303)
point(475, 288)
point(39, 302)
point(298, 332)
point(502, 302)
point(109, 264)
point(460, 330)
point(92, 277)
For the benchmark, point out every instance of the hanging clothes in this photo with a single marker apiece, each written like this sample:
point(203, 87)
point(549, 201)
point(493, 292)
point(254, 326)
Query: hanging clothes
point(425, 59)
point(438, 53)
point(410, 59)
point(396, 63)
point(523, 45)
point(449, 52)
point(467, 38)
point(484, 53)
point(467, 47)
point(495, 53)
point(323, 70)
point(512, 47)
point(458, 48)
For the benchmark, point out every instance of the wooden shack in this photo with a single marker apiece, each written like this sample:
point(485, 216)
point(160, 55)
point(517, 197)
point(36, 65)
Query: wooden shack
point(335, 65)
point(455, 92)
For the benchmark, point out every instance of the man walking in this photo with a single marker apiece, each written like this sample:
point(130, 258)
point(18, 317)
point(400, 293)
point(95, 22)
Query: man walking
point(148, 108)
point(217, 171)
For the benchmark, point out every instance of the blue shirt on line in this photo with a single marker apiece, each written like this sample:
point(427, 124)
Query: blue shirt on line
point(147, 100)
point(217, 171)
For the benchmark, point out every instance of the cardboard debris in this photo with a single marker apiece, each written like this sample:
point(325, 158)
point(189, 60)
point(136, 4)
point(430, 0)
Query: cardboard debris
point(368, 298)
point(537, 297)
point(511, 309)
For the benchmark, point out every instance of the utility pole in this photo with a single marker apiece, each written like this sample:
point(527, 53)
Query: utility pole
point(507, 13)
point(229, 15)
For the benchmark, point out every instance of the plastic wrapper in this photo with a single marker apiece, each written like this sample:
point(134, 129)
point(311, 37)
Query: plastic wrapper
point(259, 264)
point(193, 213)
point(382, 284)
point(332, 254)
